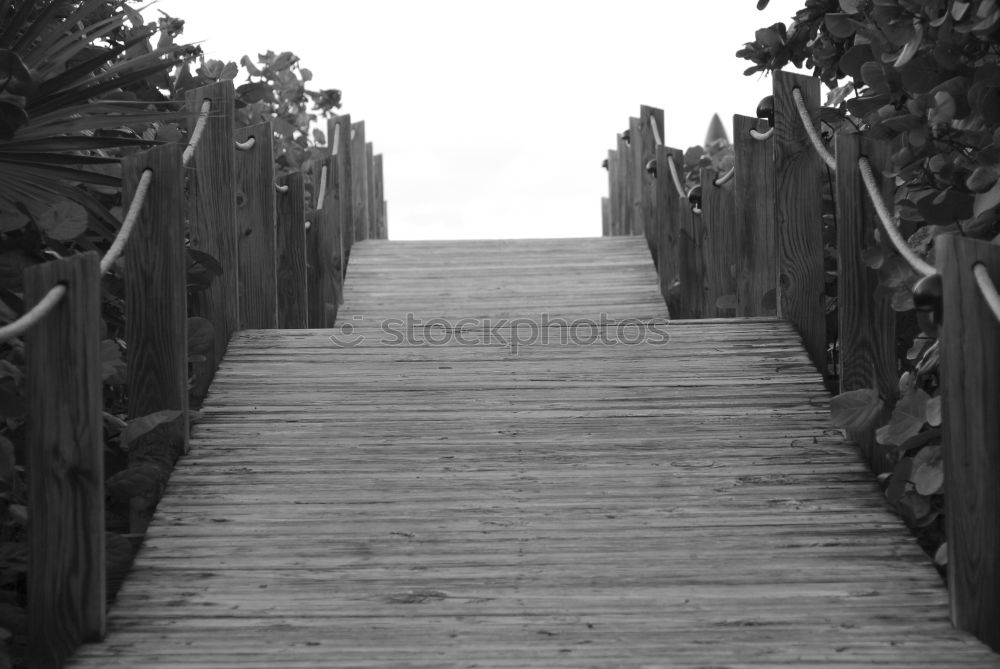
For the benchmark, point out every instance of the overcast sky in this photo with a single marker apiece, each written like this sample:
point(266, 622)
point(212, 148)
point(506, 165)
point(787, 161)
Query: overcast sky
point(493, 117)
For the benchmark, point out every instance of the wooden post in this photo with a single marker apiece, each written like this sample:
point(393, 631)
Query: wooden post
point(626, 211)
point(290, 211)
point(373, 204)
point(638, 176)
point(647, 143)
point(867, 321)
point(156, 310)
point(691, 261)
point(798, 175)
point(970, 388)
point(212, 225)
point(65, 458)
point(379, 188)
point(668, 203)
point(757, 266)
point(256, 228)
point(385, 220)
point(721, 246)
point(359, 179)
point(324, 249)
point(345, 181)
point(614, 192)
point(605, 217)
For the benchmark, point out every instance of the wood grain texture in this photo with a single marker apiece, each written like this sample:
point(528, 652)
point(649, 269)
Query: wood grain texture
point(212, 220)
point(324, 247)
point(799, 174)
point(423, 496)
point(373, 205)
point(65, 462)
point(648, 186)
point(970, 386)
point(255, 225)
point(379, 185)
point(637, 177)
point(757, 265)
point(623, 174)
point(605, 217)
point(867, 322)
point(156, 292)
point(614, 192)
point(721, 245)
point(359, 179)
point(345, 167)
point(293, 307)
point(691, 261)
point(668, 203)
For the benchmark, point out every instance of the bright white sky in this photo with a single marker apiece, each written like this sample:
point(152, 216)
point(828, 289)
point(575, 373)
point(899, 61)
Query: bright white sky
point(493, 117)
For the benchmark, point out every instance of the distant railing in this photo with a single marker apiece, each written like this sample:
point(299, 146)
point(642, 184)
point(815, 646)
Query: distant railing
point(276, 274)
point(753, 246)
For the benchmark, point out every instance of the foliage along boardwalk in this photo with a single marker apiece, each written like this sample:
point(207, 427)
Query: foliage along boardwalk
point(446, 503)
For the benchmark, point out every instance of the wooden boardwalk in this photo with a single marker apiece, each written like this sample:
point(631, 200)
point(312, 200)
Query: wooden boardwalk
point(599, 496)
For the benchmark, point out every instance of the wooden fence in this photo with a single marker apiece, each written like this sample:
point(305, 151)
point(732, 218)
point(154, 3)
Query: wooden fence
point(280, 270)
point(754, 247)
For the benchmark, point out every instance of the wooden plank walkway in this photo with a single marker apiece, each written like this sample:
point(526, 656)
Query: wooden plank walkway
point(453, 501)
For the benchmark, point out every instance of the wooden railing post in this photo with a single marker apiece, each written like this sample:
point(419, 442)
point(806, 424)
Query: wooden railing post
point(867, 322)
point(647, 143)
point(65, 463)
point(373, 205)
point(970, 388)
point(156, 309)
point(721, 246)
point(212, 225)
point(257, 240)
point(359, 179)
point(345, 165)
point(798, 175)
point(379, 188)
point(605, 217)
point(622, 175)
point(668, 203)
point(324, 248)
point(293, 308)
point(756, 266)
point(636, 176)
point(614, 191)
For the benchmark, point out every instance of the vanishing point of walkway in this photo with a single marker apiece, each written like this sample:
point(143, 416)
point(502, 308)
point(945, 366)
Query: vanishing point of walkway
point(590, 495)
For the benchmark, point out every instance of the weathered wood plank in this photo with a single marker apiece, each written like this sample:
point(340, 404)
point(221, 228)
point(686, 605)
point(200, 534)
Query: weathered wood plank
point(257, 235)
point(65, 462)
point(293, 310)
point(757, 265)
point(721, 246)
point(359, 180)
point(970, 387)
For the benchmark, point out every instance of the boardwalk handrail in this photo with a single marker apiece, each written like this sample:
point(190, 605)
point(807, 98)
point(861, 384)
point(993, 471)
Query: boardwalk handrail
point(61, 329)
point(752, 248)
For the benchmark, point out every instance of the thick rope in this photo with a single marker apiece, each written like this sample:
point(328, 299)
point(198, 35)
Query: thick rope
point(817, 141)
point(129, 223)
point(281, 189)
point(916, 262)
point(33, 316)
point(199, 129)
point(677, 179)
point(725, 178)
point(657, 140)
point(322, 189)
point(761, 136)
point(987, 288)
point(247, 145)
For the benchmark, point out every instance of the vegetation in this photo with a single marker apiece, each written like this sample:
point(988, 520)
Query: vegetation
point(84, 83)
point(924, 75)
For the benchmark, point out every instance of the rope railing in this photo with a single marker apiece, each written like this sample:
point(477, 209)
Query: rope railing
point(335, 143)
point(676, 177)
point(724, 178)
point(246, 145)
point(817, 141)
point(987, 288)
point(886, 218)
point(761, 136)
point(656, 131)
point(280, 188)
point(199, 129)
point(32, 317)
point(321, 196)
point(118, 245)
